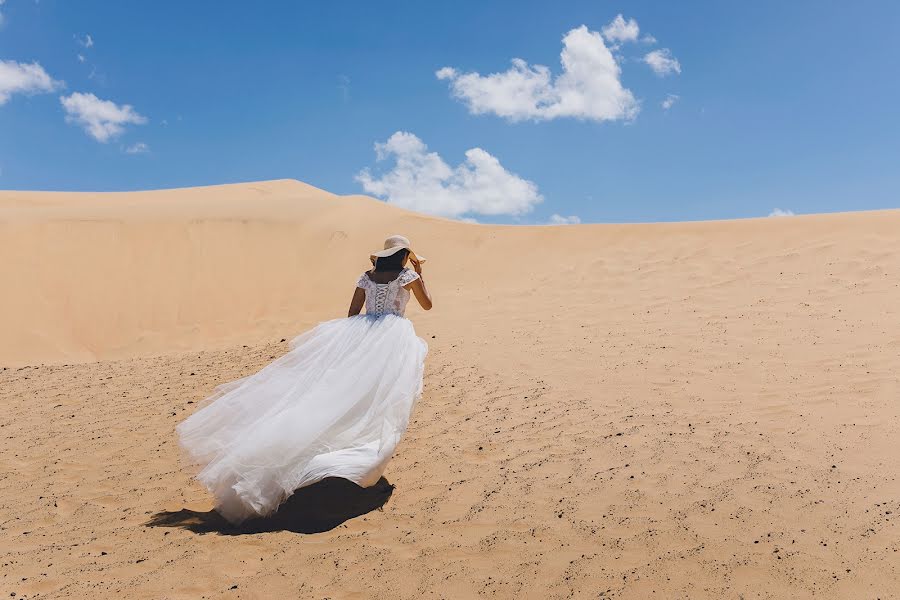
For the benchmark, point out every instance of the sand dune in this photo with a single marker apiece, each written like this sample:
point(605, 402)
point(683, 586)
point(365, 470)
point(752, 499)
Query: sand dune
point(699, 410)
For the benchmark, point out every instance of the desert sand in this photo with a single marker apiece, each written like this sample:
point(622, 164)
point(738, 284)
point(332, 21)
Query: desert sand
point(682, 410)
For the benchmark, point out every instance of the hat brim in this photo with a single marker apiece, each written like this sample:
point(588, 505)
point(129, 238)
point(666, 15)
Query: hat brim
point(394, 250)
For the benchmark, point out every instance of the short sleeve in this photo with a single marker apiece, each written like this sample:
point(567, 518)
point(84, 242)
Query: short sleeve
point(363, 281)
point(408, 276)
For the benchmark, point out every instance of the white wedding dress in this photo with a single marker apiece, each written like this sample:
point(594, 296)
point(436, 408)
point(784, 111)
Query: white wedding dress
point(335, 405)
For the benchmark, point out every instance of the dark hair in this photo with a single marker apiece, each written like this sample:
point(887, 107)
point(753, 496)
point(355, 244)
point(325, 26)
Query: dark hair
point(394, 262)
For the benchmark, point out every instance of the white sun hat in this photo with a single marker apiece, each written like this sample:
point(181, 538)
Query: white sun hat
point(392, 245)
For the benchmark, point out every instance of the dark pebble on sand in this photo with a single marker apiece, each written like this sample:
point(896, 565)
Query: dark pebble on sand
point(234, 587)
point(283, 339)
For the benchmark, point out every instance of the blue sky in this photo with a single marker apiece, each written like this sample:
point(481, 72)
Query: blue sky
point(790, 105)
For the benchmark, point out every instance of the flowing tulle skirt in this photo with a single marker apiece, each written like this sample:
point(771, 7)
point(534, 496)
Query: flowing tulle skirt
point(335, 405)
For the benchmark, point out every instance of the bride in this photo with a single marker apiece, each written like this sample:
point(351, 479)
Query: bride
point(334, 406)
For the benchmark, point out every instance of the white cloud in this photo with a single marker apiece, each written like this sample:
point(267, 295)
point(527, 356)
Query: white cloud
point(648, 39)
point(619, 30)
point(87, 41)
point(777, 212)
point(21, 78)
point(422, 181)
point(588, 88)
point(138, 148)
point(81, 58)
point(670, 100)
point(561, 220)
point(662, 62)
point(101, 119)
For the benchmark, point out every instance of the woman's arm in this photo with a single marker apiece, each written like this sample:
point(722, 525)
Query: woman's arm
point(356, 304)
point(417, 286)
point(421, 293)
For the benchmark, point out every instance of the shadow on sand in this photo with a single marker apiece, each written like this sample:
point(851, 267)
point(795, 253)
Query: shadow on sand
point(312, 509)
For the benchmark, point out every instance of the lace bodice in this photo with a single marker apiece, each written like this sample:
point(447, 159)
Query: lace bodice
point(387, 298)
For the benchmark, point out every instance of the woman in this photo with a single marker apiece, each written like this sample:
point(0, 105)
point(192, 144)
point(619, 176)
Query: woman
point(334, 406)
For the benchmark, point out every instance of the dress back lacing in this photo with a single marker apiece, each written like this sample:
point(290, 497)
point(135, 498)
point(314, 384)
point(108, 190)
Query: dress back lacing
point(387, 298)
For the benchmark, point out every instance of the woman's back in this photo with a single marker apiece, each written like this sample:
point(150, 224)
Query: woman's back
point(386, 292)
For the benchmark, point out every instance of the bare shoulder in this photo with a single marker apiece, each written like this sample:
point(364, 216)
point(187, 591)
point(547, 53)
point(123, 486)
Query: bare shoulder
point(410, 278)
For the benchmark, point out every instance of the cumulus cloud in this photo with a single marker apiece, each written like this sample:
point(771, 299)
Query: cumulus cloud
point(588, 87)
point(138, 148)
point(420, 180)
point(619, 30)
point(778, 212)
point(662, 62)
point(101, 119)
point(21, 78)
point(670, 100)
point(561, 220)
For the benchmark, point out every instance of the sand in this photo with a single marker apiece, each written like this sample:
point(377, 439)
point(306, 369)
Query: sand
point(703, 410)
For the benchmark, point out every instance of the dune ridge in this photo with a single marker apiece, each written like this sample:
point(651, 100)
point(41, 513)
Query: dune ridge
point(112, 275)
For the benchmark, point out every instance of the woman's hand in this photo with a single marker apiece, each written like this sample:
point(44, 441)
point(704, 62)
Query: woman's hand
point(417, 266)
